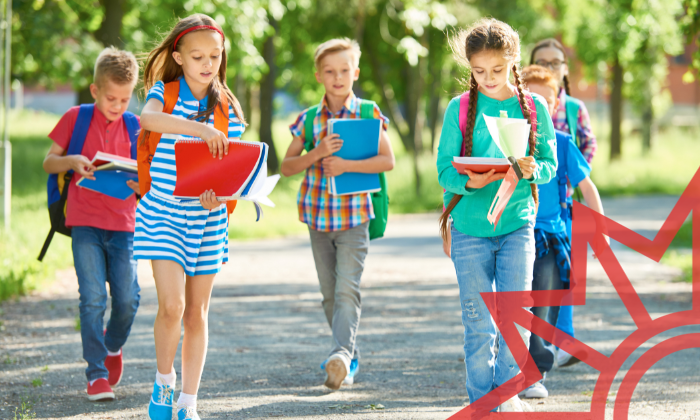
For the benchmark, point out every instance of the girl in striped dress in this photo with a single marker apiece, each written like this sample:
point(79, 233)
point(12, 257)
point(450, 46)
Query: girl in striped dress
point(186, 240)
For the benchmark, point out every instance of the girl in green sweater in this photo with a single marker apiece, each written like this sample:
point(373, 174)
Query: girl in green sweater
point(488, 260)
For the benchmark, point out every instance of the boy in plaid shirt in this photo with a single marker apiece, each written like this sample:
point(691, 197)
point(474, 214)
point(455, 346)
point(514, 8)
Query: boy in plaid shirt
point(338, 225)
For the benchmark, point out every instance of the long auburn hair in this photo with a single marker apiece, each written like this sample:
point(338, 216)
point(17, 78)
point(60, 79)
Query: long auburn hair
point(486, 35)
point(552, 43)
point(160, 65)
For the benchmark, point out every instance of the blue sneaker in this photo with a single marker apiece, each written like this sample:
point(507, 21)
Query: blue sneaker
point(187, 413)
point(350, 378)
point(354, 368)
point(161, 405)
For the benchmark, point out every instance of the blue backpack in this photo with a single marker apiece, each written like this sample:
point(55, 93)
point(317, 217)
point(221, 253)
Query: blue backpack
point(57, 185)
point(562, 178)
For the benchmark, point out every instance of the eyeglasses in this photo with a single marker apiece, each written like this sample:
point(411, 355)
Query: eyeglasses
point(554, 65)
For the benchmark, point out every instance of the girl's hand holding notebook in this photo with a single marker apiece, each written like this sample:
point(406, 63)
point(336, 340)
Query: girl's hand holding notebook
point(216, 140)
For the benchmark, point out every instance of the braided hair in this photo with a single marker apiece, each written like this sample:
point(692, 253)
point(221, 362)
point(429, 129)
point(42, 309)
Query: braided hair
point(552, 43)
point(485, 35)
point(532, 142)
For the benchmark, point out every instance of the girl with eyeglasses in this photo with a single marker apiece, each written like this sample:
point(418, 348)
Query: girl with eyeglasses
point(572, 115)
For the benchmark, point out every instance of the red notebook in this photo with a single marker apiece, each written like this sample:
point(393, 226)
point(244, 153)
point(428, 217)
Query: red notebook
point(198, 171)
point(479, 169)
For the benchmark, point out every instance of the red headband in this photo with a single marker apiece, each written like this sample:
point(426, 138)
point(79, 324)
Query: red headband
point(194, 28)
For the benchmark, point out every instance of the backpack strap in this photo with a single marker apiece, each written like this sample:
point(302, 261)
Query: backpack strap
point(463, 111)
point(148, 140)
point(572, 110)
point(80, 129)
point(562, 178)
point(367, 109)
point(309, 143)
point(132, 127)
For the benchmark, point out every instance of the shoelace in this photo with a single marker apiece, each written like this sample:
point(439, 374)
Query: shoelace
point(165, 394)
point(190, 412)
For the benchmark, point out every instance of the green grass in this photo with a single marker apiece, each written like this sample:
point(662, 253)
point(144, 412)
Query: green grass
point(25, 411)
point(20, 272)
point(666, 170)
point(679, 255)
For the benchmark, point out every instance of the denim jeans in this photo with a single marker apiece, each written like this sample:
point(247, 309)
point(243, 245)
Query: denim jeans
point(545, 277)
point(100, 257)
point(494, 264)
point(340, 261)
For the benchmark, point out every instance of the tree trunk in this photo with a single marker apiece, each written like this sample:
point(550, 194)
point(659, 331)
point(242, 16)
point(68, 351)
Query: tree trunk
point(267, 90)
point(84, 96)
point(616, 111)
point(360, 22)
point(415, 113)
point(109, 33)
point(648, 128)
point(248, 108)
point(435, 73)
point(391, 106)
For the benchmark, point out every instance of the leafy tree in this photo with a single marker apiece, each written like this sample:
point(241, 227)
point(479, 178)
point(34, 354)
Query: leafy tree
point(690, 25)
point(631, 38)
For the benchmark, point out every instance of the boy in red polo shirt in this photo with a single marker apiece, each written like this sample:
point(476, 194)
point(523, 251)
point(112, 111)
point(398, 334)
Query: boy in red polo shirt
point(102, 227)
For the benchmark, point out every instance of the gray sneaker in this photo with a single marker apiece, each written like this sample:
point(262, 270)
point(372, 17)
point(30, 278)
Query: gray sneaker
point(536, 390)
point(514, 405)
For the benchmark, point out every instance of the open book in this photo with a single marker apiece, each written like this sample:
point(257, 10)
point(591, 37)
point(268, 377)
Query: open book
point(509, 134)
point(111, 174)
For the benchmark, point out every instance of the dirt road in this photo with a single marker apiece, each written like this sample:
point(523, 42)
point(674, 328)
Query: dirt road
point(268, 336)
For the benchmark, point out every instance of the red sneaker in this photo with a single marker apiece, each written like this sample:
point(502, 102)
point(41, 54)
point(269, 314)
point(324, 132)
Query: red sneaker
point(100, 391)
point(115, 367)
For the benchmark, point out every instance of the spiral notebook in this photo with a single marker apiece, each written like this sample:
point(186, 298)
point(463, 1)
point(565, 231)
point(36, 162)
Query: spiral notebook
point(230, 177)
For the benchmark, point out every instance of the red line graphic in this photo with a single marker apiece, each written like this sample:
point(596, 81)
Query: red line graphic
point(589, 227)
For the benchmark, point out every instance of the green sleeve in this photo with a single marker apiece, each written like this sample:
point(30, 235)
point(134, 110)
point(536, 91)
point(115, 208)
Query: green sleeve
point(450, 146)
point(546, 148)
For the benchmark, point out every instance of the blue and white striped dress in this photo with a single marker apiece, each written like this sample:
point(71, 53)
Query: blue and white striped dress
point(168, 228)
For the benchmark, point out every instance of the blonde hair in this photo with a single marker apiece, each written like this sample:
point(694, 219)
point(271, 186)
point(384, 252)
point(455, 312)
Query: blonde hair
point(535, 74)
point(337, 45)
point(117, 66)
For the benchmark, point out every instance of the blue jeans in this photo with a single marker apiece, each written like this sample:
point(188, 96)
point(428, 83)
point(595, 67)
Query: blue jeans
point(546, 277)
point(502, 264)
point(102, 256)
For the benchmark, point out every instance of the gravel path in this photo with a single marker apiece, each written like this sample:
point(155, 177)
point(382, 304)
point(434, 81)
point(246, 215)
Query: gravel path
point(268, 336)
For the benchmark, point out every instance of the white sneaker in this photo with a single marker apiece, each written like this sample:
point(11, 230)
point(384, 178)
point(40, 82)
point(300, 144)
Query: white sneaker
point(514, 405)
point(337, 369)
point(564, 359)
point(536, 390)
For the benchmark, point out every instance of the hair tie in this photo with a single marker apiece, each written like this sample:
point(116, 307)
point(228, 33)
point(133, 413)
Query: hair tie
point(186, 31)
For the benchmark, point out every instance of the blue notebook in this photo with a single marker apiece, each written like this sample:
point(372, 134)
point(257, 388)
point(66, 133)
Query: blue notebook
point(110, 182)
point(360, 141)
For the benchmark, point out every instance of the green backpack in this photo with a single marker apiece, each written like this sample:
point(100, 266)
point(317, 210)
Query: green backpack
point(572, 108)
point(380, 199)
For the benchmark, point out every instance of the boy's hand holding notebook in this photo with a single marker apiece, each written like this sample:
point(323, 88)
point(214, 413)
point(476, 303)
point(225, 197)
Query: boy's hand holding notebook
point(360, 141)
point(111, 175)
point(239, 175)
